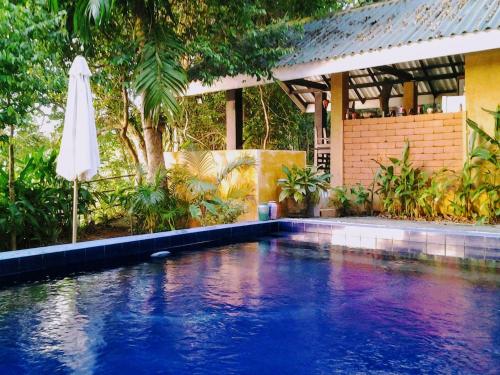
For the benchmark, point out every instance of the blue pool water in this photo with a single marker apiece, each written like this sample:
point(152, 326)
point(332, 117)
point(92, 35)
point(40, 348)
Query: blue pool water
point(255, 308)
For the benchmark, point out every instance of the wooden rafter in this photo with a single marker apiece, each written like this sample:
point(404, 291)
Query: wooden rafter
point(308, 84)
point(427, 78)
point(356, 91)
point(297, 100)
point(401, 74)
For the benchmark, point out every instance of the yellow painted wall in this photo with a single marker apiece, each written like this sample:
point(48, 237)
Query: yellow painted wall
point(261, 179)
point(269, 171)
point(482, 90)
point(482, 86)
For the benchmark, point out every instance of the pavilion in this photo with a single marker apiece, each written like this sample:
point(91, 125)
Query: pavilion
point(398, 55)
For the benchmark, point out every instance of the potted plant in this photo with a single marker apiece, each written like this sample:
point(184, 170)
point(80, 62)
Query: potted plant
point(301, 189)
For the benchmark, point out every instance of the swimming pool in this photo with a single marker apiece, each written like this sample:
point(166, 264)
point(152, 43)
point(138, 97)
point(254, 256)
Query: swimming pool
point(264, 307)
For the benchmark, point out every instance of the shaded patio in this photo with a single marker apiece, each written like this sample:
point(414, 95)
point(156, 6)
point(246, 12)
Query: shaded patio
point(376, 72)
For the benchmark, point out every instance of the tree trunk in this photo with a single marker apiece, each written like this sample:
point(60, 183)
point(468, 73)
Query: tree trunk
point(154, 146)
point(266, 118)
point(124, 136)
point(138, 140)
point(12, 191)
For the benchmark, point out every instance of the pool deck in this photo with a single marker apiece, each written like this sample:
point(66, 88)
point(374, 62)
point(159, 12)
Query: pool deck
point(463, 241)
point(409, 238)
point(413, 224)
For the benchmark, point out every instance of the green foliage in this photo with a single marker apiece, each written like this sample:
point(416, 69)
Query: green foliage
point(154, 207)
point(27, 49)
point(41, 213)
point(289, 128)
point(201, 122)
point(361, 197)
point(399, 185)
point(196, 189)
point(473, 193)
point(158, 75)
point(477, 195)
point(340, 200)
point(160, 78)
point(303, 184)
point(348, 201)
point(242, 41)
point(212, 196)
point(433, 195)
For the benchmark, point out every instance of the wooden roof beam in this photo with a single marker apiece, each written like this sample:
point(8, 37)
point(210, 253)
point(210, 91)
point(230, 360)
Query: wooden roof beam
point(308, 84)
point(356, 91)
point(428, 77)
point(294, 98)
point(400, 81)
point(401, 74)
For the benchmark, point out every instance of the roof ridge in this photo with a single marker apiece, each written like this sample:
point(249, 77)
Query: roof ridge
point(356, 9)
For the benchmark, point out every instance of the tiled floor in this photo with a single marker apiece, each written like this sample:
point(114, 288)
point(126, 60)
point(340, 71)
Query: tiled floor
point(402, 236)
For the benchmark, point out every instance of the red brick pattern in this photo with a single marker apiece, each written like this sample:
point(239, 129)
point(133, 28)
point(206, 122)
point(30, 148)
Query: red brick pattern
point(435, 143)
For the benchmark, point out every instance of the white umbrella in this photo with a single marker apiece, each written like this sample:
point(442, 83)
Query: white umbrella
point(79, 154)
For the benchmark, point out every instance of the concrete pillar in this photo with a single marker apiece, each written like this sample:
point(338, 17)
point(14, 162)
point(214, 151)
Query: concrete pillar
point(410, 96)
point(234, 119)
point(339, 106)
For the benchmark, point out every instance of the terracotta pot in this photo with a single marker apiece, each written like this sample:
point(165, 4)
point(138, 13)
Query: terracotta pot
point(305, 208)
point(294, 209)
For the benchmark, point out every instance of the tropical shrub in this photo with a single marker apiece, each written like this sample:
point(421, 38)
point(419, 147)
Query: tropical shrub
point(340, 200)
point(473, 193)
point(213, 196)
point(433, 196)
point(153, 206)
point(349, 201)
point(41, 213)
point(399, 185)
point(303, 184)
point(361, 198)
point(477, 195)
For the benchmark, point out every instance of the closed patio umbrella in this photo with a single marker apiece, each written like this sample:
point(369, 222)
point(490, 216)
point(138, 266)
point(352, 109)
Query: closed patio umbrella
point(78, 158)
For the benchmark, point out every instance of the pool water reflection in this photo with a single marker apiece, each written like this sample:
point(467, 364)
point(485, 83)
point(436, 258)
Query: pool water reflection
point(257, 308)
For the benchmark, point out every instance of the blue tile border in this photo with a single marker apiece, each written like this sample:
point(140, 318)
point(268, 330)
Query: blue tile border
point(44, 259)
point(444, 243)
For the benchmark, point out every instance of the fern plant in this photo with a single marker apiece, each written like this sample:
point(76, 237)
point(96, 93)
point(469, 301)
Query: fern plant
point(154, 207)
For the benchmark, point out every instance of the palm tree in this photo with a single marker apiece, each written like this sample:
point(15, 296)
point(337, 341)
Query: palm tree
point(159, 76)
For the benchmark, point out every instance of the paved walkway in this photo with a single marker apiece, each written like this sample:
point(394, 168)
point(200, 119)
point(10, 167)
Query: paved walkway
point(412, 224)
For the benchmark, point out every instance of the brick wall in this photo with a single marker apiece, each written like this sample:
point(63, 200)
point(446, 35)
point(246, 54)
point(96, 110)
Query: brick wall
point(435, 143)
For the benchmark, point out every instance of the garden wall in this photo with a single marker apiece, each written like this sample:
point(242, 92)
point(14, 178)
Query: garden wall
point(261, 180)
point(436, 142)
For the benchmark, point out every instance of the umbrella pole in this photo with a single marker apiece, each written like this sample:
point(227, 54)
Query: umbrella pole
point(75, 209)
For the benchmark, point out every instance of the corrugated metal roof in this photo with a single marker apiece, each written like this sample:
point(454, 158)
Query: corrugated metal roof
point(391, 23)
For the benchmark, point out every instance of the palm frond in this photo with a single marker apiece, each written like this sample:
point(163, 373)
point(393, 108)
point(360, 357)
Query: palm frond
point(198, 186)
point(238, 191)
point(98, 10)
point(237, 164)
point(199, 164)
point(160, 77)
point(87, 12)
